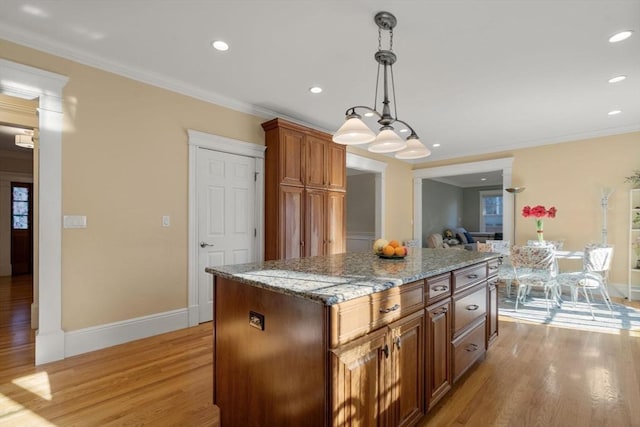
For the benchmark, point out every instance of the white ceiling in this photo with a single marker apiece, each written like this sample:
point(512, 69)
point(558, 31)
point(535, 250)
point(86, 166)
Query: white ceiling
point(475, 76)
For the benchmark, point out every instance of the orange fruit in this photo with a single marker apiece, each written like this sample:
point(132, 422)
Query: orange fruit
point(394, 243)
point(389, 250)
point(401, 251)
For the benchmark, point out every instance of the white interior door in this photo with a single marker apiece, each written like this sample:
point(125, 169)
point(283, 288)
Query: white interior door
point(226, 197)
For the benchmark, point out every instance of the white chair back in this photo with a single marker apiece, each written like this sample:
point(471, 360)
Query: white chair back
point(540, 258)
point(501, 246)
point(557, 244)
point(483, 247)
point(597, 259)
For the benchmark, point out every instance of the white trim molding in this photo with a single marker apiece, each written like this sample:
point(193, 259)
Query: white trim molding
point(110, 334)
point(504, 164)
point(200, 140)
point(30, 83)
point(361, 163)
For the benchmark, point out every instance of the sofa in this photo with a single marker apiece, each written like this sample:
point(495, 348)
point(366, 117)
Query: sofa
point(437, 241)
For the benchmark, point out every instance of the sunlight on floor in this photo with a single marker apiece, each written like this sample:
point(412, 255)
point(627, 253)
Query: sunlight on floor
point(14, 414)
point(37, 384)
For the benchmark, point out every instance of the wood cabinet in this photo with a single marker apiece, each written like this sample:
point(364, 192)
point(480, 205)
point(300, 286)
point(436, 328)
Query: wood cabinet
point(469, 331)
point(336, 223)
point(438, 360)
point(288, 237)
point(359, 373)
point(492, 301)
point(378, 378)
point(382, 359)
point(306, 159)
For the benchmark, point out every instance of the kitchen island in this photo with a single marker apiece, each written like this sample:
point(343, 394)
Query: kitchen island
point(348, 339)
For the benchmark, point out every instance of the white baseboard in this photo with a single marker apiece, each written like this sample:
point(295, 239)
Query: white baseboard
point(34, 315)
point(194, 315)
point(618, 290)
point(98, 337)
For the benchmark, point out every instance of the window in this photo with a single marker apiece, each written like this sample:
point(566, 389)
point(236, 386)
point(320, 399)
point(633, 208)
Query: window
point(20, 208)
point(491, 211)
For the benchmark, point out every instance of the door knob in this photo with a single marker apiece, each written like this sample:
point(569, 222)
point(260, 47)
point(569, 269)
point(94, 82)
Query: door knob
point(205, 244)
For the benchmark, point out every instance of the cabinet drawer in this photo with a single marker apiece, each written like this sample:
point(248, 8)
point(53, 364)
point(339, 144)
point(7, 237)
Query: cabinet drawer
point(492, 267)
point(467, 349)
point(468, 307)
point(357, 317)
point(438, 287)
point(469, 276)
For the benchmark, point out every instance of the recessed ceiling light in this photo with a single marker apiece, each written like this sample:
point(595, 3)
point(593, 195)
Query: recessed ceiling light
point(483, 179)
point(369, 114)
point(436, 145)
point(617, 79)
point(315, 89)
point(220, 45)
point(405, 130)
point(622, 35)
point(614, 112)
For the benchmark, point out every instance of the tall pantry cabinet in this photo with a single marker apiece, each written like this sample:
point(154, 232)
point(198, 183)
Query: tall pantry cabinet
point(305, 186)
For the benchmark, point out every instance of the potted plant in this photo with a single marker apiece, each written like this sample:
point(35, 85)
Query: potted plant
point(634, 179)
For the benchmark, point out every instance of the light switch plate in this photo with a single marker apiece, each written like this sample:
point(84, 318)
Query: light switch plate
point(75, 221)
point(166, 221)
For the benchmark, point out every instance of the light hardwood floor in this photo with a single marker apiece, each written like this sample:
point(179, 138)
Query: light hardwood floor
point(532, 376)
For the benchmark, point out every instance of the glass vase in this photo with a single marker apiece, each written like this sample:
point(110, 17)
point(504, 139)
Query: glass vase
point(540, 230)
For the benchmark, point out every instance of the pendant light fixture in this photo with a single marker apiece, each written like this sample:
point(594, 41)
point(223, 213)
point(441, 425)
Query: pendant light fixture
point(354, 131)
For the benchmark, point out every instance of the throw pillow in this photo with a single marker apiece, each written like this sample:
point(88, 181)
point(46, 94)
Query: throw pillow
point(469, 237)
point(461, 237)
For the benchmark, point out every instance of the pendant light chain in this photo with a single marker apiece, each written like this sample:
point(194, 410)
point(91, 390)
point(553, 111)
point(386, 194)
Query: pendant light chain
point(354, 131)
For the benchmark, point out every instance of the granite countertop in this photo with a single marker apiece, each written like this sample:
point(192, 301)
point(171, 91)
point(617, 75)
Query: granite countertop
point(341, 277)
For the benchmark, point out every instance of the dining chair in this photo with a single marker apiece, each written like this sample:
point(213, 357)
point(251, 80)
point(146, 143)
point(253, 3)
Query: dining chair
point(505, 270)
point(534, 267)
point(557, 244)
point(595, 268)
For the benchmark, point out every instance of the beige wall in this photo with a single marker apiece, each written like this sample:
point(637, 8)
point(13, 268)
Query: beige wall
point(570, 176)
point(125, 165)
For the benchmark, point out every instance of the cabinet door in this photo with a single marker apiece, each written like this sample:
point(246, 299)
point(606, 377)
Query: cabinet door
point(315, 213)
point(291, 225)
point(292, 157)
point(316, 162)
point(337, 168)
point(438, 360)
point(407, 370)
point(492, 312)
point(336, 236)
point(359, 371)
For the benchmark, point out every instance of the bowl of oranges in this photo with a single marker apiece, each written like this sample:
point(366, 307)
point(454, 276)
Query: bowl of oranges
point(391, 249)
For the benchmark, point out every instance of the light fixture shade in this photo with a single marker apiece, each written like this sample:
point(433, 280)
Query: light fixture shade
point(353, 132)
point(25, 141)
point(387, 142)
point(415, 150)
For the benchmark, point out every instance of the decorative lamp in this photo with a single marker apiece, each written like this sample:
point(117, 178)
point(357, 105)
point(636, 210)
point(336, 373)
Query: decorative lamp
point(514, 191)
point(355, 131)
point(415, 150)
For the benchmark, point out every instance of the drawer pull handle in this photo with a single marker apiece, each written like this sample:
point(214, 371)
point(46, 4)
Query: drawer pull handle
point(471, 347)
point(390, 309)
point(440, 288)
point(493, 268)
point(473, 307)
point(472, 276)
point(439, 314)
point(385, 350)
point(398, 343)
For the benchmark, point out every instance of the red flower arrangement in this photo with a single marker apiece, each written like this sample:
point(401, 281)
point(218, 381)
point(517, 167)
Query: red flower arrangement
point(539, 212)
